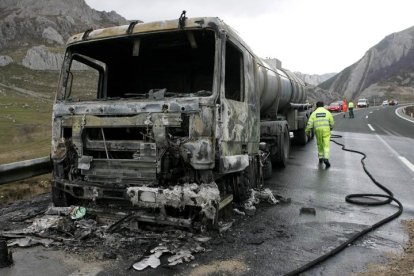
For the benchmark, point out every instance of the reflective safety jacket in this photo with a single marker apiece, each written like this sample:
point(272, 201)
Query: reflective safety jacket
point(320, 119)
point(351, 105)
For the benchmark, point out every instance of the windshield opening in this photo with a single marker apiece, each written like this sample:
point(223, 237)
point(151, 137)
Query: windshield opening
point(152, 66)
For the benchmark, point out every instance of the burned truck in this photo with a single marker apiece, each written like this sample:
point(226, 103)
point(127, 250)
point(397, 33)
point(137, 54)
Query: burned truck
point(175, 119)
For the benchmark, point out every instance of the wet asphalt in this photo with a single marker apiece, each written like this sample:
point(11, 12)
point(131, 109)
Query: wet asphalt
point(279, 238)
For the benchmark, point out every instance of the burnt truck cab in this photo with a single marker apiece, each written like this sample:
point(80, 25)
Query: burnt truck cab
point(160, 116)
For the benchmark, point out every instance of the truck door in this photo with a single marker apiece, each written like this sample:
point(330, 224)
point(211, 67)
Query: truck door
point(239, 109)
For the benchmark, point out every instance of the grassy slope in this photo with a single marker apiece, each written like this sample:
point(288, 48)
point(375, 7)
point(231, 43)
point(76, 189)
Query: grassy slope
point(25, 121)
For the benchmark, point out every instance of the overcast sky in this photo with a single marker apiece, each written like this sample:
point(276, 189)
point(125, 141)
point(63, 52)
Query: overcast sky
point(310, 36)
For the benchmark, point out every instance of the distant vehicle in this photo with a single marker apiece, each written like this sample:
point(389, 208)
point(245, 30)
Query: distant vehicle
point(363, 103)
point(334, 107)
point(393, 102)
point(340, 103)
point(385, 103)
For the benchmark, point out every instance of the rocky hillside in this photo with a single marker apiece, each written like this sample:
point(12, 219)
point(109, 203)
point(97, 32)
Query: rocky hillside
point(33, 32)
point(385, 71)
point(314, 79)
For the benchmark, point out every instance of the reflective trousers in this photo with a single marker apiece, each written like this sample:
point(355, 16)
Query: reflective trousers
point(323, 137)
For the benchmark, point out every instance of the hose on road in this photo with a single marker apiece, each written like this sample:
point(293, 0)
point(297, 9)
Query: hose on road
point(352, 198)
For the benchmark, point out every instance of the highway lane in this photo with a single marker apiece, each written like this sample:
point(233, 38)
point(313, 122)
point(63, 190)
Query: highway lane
point(384, 137)
point(389, 145)
point(396, 132)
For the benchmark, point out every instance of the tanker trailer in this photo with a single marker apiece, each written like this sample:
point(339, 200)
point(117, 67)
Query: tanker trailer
point(172, 120)
point(283, 109)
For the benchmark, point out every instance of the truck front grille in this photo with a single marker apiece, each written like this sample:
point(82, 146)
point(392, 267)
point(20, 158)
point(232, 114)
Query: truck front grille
point(119, 155)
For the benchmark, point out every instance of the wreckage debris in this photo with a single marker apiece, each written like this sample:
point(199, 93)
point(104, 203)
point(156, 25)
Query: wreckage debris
point(60, 229)
point(202, 238)
point(255, 197)
point(266, 194)
point(76, 229)
point(75, 212)
point(205, 196)
point(152, 260)
point(308, 211)
point(223, 227)
point(30, 241)
point(180, 257)
point(237, 211)
point(180, 253)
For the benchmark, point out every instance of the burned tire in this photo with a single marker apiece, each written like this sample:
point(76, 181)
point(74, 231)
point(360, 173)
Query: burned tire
point(267, 169)
point(241, 188)
point(282, 155)
point(300, 137)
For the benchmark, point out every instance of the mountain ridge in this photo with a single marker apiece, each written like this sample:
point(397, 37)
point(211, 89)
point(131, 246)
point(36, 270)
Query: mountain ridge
point(386, 70)
point(33, 32)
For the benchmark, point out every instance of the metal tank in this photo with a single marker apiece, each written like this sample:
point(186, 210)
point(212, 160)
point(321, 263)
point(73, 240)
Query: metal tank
point(278, 89)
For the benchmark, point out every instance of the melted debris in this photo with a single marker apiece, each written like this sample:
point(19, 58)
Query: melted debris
point(120, 238)
point(181, 252)
point(255, 197)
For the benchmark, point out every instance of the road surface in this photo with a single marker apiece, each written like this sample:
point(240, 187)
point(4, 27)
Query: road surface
point(279, 238)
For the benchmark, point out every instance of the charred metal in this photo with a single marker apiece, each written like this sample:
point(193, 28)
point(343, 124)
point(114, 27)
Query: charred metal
point(152, 116)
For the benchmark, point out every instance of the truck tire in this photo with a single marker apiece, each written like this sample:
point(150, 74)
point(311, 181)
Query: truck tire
point(241, 188)
point(300, 137)
point(282, 154)
point(267, 169)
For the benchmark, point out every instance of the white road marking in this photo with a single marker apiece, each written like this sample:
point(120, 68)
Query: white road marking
point(388, 146)
point(393, 151)
point(407, 163)
point(371, 112)
point(366, 117)
point(370, 127)
point(402, 117)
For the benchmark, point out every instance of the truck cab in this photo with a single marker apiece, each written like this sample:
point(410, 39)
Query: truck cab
point(163, 116)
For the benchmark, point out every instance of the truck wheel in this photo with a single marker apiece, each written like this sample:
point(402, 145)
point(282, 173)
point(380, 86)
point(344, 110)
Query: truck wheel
point(284, 148)
point(241, 188)
point(267, 169)
point(300, 137)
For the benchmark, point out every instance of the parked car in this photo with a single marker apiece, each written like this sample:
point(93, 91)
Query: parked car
point(385, 103)
point(363, 103)
point(393, 102)
point(334, 107)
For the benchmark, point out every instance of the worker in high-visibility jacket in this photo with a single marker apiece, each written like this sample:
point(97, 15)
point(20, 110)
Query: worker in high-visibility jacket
point(351, 109)
point(322, 122)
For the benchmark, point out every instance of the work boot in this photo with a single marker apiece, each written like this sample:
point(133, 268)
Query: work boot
point(327, 164)
point(320, 160)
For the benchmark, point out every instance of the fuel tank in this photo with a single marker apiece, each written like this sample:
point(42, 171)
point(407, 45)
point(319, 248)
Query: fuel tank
point(278, 88)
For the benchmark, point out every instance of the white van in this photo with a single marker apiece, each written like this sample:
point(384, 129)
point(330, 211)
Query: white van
point(363, 103)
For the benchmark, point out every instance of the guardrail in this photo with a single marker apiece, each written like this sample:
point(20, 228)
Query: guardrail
point(24, 169)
